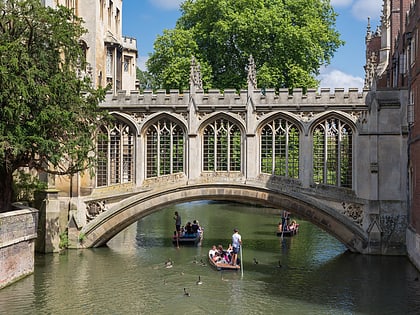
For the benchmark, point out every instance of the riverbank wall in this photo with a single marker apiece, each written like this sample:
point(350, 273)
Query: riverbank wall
point(18, 232)
point(413, 247)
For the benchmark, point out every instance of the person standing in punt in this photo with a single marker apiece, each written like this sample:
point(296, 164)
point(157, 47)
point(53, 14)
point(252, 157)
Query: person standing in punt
point(177, 219)
point(236, 245)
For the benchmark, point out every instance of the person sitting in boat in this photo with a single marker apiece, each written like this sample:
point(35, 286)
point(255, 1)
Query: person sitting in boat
point(229, 252)
point(188, 229)
point(195, 227)
point(213, 251)
point(216, 256)
point(293, 226)
point(223, 255)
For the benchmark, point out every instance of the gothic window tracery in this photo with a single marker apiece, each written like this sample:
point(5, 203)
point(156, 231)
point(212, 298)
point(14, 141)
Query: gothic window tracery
point(280, 148)
point(165, 148)
point(222, 146)
point(333, 153)
point(115, 150)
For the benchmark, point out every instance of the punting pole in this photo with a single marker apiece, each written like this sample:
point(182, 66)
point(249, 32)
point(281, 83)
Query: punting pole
point(242, 264)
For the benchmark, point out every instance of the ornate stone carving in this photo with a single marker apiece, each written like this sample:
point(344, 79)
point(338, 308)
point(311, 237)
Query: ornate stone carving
point(195, 74)
point(139, 117)
point(306, 116)
point(252, 73)
point(370, 69)
point(93, 209)
point(354, 212)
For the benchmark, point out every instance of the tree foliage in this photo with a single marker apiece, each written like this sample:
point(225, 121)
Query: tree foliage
point(289, 40)
point(47, 113)
point(171, 61)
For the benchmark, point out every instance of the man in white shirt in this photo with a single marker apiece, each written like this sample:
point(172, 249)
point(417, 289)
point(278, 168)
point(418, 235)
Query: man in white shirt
point(236, 244)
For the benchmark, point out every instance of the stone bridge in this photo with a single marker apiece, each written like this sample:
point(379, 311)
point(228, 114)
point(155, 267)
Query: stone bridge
point(335, 158)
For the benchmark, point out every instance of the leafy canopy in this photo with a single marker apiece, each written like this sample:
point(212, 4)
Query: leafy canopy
point(289, 40)
point(47, 112)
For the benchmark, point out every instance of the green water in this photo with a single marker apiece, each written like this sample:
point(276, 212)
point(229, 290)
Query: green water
point(311, 273)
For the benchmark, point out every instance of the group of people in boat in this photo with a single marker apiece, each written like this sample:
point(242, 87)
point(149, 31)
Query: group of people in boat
point(229, 256)
point(189, 230)
point(286, 224)
point(220, 255)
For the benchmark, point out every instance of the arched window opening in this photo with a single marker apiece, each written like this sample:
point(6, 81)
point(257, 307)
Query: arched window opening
point(280, 148)
point(165, 148)
point(222, 147)
point(333, 153)
point(115, 152)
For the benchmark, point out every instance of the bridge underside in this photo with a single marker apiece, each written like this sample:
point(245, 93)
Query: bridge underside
point(105, 226)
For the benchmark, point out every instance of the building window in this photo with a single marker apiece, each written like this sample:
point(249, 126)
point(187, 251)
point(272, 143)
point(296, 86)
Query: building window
point(110, 9)
point(115, 151)
point(127, 64)
point(117, 20)
point(280, 148)
point(333, 153)
point(222, 146)
point(109, 63)
point(164, 148)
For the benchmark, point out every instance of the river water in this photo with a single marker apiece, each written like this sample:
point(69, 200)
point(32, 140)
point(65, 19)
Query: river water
point(311, 273)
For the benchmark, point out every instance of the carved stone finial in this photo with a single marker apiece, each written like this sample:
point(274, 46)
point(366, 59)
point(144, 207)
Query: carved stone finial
point(368, 31)
point(370, 70)
point(252, 73)
point(195, 74)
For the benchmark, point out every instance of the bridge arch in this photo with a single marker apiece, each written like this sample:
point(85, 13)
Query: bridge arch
point(109, 223)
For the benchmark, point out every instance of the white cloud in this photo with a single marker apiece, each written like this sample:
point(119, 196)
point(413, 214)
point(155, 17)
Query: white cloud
point(166, 4)
point(340, 3)
point(334, 78)
point(363, 9)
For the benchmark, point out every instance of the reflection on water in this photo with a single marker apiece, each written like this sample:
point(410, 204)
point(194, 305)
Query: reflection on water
point(310, 273)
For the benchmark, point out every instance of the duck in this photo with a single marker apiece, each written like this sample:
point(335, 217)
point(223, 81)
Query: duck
point(199, 280)
point(169, 263)
point(255, 261)
point(186, 293)
point(279, 265)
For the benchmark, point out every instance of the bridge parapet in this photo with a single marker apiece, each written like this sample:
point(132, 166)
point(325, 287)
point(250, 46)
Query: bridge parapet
point(231, 99)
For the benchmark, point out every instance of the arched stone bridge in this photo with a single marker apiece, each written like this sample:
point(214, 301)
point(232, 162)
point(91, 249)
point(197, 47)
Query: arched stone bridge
point(335, 158)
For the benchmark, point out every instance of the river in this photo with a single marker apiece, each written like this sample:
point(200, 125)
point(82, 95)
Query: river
point(311, 273)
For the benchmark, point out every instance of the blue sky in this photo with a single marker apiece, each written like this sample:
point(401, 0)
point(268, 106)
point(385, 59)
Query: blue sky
point(145, 19)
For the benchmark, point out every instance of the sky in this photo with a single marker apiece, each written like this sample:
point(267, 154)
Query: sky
point(146, 19)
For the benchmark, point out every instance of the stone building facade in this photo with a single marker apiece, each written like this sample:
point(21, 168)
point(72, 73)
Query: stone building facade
point(111, 57)
point(393, 63)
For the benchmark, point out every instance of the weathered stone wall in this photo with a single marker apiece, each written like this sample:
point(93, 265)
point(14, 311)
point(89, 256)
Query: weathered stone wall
point(17, 244)
point(413, 247)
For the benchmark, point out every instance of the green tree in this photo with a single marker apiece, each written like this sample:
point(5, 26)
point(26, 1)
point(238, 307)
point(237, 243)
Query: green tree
point(47, 113)
point(289, 40)
point(170, 63)
point(146, 80)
